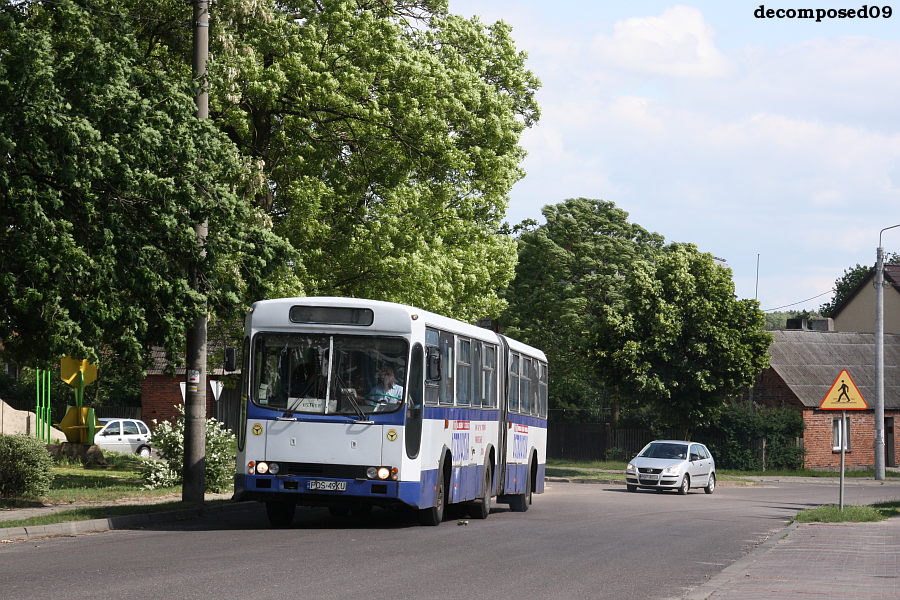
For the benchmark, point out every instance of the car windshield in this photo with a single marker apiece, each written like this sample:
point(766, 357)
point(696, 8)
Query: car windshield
point(324, 374)
point(664, 450)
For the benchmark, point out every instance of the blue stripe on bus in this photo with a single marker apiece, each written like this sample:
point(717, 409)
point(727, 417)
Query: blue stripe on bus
point(462, 413)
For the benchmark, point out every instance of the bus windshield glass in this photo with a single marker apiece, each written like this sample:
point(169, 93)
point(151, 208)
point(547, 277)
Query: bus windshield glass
point(329, 374)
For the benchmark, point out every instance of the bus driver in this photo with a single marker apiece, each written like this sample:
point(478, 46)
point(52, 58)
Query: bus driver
point(385, 391)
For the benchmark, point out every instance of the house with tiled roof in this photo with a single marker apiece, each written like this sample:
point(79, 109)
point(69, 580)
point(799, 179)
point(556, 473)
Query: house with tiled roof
point(804, 365)
point(162, 391)
point(857, 312)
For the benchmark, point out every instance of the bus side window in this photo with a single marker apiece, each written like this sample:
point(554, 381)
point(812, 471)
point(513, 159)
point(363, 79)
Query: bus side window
point(489, 388)
point(432, 374)
point(445, 386)
point(514, 383)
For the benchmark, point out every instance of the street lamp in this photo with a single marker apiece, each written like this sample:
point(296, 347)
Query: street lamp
point(879, 358)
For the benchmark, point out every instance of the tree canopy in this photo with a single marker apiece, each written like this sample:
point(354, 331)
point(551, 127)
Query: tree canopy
point(570, 268)
point(105, 172)
point(625, 319)
point(355, 147)
point(680, 342)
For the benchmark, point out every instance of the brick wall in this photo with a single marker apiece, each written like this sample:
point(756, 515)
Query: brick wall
point(817, 439)
point(160, 394)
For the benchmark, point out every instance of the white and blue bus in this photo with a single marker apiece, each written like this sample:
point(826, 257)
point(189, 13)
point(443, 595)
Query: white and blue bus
point(350, 404)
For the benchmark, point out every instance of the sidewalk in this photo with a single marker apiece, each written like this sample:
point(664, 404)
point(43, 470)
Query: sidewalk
point(840, 561)
point(9, 534)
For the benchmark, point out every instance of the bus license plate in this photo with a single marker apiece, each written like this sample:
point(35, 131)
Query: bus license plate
point(327, 486)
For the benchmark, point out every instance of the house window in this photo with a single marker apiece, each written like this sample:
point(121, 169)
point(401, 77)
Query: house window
point(836, 436)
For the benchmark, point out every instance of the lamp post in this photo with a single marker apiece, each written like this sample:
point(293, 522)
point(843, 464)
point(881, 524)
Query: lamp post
point(879, 358)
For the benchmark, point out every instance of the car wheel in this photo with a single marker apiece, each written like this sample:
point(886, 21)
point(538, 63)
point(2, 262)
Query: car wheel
point(481, 508)
point(711, 486)
point(685, 485)
point(631, 488)
point(144, 452)
point(280, 514)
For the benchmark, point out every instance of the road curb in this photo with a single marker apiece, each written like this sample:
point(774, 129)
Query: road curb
point(738, 567)
point(71, 528)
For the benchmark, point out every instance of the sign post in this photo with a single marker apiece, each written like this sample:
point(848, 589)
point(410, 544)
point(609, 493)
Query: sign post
point(843, 396)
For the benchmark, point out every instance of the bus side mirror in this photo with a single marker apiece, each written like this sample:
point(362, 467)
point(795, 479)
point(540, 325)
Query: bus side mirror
point(230, 359)
point(433, 364)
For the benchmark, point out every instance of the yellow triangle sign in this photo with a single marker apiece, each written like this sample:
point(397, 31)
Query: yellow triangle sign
point(843, 395)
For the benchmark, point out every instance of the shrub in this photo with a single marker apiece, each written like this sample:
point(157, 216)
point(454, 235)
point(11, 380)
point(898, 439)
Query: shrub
point(24, 467)
point(168, 440)
point(735, 434)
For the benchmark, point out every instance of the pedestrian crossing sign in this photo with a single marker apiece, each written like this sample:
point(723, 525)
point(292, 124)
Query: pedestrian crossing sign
point(843, 395)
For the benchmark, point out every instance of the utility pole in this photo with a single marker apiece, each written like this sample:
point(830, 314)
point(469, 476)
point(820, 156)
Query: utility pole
point(879, 358)
point(194, 485)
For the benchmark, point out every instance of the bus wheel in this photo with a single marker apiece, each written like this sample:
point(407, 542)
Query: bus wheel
point(280, 514)
point(520, 502)
point(435, 514)
point(481, 508)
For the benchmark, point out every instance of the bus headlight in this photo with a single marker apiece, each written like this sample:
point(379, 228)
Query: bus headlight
point(274, 468)
point(262, 468)
point(381, 473)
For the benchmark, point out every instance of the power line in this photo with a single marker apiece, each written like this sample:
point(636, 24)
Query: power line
point(798, 302)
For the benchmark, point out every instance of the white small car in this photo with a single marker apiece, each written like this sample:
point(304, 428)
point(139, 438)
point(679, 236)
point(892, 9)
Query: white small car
point(672, 465)
point(124, 435)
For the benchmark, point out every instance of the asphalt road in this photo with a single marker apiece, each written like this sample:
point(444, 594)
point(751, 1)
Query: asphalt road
point(577, 541)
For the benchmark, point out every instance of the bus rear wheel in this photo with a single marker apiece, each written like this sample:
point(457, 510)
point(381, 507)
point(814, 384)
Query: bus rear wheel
point(280, 514)
point(481, 508)
point(520, 502)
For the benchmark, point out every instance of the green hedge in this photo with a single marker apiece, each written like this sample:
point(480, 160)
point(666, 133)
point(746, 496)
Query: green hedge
point(737, 428)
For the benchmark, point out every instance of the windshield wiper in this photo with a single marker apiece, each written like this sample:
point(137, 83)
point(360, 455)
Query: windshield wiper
point(359, 411)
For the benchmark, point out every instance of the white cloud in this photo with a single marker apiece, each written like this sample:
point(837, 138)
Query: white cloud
point(678, 43)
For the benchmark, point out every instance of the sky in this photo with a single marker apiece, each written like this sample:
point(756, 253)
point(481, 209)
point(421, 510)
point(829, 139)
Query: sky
point(770, 143)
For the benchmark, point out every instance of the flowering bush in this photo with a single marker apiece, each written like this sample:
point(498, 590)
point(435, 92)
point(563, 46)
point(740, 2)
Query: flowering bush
point(168, 440)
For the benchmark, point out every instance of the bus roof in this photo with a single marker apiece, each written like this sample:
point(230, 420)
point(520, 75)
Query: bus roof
point(389, 317)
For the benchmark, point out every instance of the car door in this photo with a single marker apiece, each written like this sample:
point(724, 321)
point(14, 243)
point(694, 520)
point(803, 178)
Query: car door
point(131, 436)
point(699, 466)
point(110, 437)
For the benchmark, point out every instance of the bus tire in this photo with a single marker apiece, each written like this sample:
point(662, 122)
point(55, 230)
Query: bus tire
point(433, 515)
point(520, 502)
point(481, 508)
point(281, 514)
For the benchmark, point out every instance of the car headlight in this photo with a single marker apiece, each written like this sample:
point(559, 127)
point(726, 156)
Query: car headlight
point(630, 468)
point(673, 470)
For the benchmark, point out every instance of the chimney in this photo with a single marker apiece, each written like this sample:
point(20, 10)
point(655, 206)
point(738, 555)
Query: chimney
point(797, 323)
point(822, 324)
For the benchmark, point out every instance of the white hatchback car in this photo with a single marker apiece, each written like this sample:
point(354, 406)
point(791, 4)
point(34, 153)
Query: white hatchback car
point(673, 465)
point(124, 435)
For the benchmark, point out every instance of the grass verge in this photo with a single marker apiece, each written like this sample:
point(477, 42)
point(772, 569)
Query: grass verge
point(831, 513)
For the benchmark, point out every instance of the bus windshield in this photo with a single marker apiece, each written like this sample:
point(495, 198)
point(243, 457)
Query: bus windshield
point(328, 374)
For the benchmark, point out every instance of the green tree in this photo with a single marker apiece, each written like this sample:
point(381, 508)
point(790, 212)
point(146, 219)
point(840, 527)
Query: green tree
point(105, 171)
point(847, 283)
point(387, 134)
point(678, 340)
point(568, 270)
